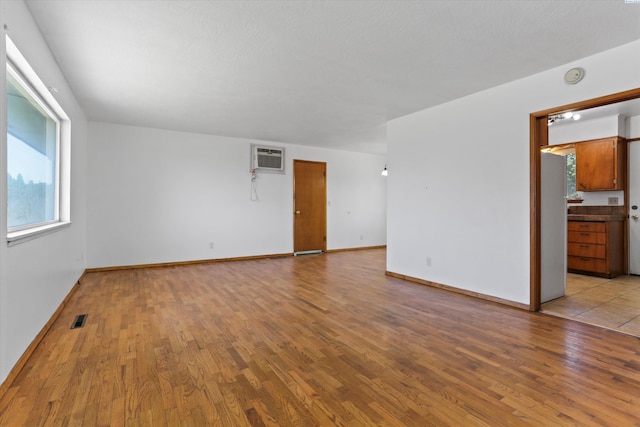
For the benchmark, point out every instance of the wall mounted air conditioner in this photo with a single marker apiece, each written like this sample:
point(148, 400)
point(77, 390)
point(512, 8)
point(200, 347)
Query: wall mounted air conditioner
point(265, 158)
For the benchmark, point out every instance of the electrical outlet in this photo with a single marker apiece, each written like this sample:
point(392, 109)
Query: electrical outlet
point(428, 261)
point(613, 201)
point(361, 237)
point(210, 245)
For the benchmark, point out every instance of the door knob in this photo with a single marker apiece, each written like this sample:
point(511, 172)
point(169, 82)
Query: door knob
point(635, 217)
point(297, 212)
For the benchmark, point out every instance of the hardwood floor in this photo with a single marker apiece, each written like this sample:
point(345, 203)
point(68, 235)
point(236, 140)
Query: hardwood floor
point(314, 340)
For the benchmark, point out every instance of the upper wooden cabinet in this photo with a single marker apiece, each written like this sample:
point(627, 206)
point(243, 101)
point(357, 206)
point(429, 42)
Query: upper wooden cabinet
point(601, 164)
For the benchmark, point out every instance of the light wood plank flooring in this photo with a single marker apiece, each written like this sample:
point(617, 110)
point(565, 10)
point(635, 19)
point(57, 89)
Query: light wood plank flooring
point(610, 303)
point(317, 340)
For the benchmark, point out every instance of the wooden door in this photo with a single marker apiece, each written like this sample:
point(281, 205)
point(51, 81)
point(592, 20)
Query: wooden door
point(309, 206)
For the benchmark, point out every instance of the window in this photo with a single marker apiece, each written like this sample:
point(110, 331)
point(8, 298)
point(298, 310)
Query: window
point(32, 157)
point(38, 140)
point(572, 194)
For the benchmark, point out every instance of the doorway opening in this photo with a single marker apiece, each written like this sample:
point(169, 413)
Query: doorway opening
point(539, 138)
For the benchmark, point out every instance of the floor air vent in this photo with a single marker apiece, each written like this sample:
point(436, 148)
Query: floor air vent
point(79, 322)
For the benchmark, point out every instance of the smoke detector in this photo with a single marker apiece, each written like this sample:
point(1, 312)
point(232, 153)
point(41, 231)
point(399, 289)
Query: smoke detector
point(574, 75)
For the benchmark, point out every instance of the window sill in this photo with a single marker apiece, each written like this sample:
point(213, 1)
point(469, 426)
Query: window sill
point(22, 236)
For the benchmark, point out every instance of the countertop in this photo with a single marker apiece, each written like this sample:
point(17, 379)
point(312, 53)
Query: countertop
point(601, 218)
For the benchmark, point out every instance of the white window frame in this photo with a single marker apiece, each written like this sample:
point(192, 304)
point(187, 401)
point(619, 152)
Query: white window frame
point(21, 72)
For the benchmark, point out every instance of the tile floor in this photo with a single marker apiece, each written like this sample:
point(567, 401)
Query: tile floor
point(610, 303)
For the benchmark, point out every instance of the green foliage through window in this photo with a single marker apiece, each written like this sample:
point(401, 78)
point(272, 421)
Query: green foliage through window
point(571, 176)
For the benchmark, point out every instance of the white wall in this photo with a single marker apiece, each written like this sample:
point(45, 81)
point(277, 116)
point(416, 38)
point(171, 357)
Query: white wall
point(460, 194)
point(602, 127)
point(164, 196)
point(633, 127)
point(600, 198)
point(35, 276)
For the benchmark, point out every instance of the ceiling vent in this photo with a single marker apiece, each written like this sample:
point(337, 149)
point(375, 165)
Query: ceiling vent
point(265, 158)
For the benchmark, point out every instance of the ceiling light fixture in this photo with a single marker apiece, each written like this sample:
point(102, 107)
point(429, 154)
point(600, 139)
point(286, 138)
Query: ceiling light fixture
point(385, 171)
point(558, 117)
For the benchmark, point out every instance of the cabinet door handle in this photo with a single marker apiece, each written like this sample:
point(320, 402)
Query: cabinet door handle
point(584, 234)
point(584, 246)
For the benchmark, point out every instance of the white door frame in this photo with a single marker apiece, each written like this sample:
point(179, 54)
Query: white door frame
point(634, 200)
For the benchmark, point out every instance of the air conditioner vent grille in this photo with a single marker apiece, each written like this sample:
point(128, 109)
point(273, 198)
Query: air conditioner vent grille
point(267, 158)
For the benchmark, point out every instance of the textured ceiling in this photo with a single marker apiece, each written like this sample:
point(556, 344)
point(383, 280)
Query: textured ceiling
point(325, 73)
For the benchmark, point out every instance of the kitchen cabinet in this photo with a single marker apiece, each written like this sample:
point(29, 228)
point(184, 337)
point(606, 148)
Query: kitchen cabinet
point(601, 164)
point(595, 247)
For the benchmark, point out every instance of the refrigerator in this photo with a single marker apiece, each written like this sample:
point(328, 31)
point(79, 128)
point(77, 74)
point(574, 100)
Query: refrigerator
point(553, 220)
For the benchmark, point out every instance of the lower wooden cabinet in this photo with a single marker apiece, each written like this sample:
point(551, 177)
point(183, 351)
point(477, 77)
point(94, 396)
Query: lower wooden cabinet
point(596, 247)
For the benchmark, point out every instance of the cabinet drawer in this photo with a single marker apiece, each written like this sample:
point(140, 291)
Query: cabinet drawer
point(587, 237)
point(587, 250)
point(587, 264)
point(599, 227)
